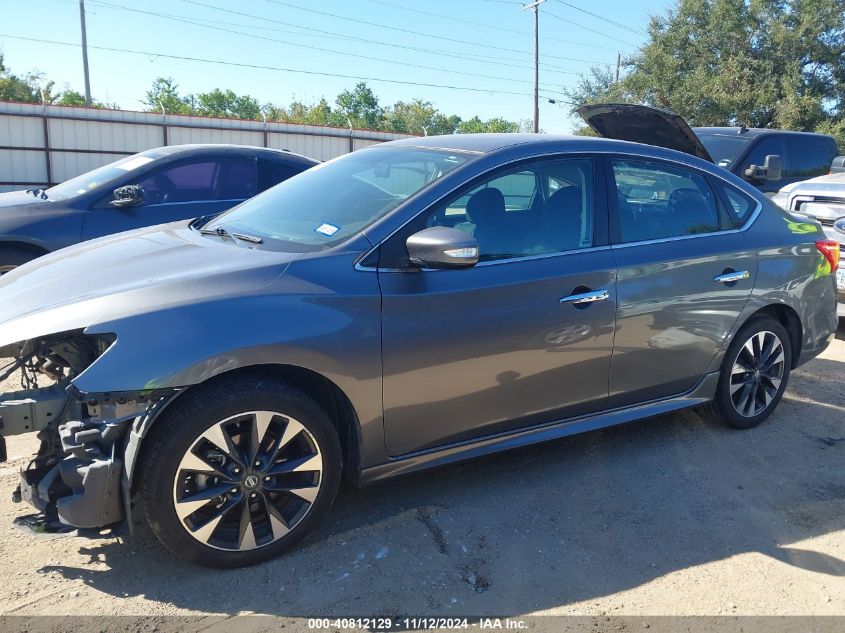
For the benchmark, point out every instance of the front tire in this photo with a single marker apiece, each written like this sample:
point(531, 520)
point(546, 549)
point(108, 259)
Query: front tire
point(754, 374)
point(13, 256)
point(239, 472)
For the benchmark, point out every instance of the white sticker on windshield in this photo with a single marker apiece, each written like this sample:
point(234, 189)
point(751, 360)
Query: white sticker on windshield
point(134, 163)
point(327, 229)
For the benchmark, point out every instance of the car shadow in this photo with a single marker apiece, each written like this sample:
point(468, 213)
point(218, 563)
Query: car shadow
point(540, 527)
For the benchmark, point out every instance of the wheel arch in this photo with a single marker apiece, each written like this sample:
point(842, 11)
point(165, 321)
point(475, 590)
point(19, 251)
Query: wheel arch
point(324, 391)
point(789, 319)
point(17, 243)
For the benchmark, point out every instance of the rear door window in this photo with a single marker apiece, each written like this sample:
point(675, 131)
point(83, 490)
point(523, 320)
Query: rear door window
point(810, 156)
point(656, 201)
point(271, 173)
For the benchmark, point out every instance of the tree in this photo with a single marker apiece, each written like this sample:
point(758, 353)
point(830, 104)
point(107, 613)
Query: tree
point(226, 104)
point(164, 93)
point(24, 88)
point(360, 105)
point(418, 117)
point(496, 124)
point(762, 63)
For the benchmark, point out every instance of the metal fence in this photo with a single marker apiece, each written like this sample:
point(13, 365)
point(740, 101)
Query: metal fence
point(44, 145)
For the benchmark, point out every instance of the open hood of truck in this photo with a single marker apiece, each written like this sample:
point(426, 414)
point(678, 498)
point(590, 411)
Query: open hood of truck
point(643, 124)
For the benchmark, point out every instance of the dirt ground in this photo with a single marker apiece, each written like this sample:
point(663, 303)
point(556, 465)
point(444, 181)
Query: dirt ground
point(670, 516)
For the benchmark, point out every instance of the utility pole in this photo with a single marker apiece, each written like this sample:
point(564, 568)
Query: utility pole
point(618, 64)
point(536, 6)
point(84, 52)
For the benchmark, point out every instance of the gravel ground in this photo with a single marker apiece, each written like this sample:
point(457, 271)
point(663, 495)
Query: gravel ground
point(671, 516)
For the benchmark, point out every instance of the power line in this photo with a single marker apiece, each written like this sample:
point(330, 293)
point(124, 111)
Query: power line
point(411, 32)
point(604, 18)
point(587, 28)
point(500, 61)
point(326, 50)
point(483, 25)
point(220, 62)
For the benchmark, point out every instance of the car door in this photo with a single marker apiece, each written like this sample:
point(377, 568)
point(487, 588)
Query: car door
point(685, 275)
point(181, 190)
point(515, 340)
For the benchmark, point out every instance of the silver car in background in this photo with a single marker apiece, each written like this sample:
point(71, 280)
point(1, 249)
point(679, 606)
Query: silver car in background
point(823, 200)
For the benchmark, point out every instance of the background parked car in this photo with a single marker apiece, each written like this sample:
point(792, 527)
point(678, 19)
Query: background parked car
point(159, 185)
point(822, 199)
point(768, 159)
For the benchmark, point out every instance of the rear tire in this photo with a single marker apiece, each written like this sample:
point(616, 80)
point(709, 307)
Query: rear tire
point(754, 375)
point(13, 256)
point(239, 472)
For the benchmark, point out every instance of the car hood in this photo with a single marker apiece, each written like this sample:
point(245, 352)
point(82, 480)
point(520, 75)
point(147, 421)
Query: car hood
point(19, 199)
point(643, 124)
point(128, 274)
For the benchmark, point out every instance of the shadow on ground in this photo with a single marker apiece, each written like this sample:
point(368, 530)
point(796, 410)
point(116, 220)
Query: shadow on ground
point(541, 527)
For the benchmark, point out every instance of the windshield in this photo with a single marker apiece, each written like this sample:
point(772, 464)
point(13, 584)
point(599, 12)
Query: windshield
point(722, 148)
point(329, 203)
point(90, 180)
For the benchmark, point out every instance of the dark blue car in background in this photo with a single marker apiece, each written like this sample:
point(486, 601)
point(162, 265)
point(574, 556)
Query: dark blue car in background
point(153, 187)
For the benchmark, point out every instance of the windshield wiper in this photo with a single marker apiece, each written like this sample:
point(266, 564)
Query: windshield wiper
point(221, 232)
point(38, 192)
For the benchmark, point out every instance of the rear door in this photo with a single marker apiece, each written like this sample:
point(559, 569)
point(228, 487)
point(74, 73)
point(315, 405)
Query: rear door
point(510, 342)
point(177, 191)
point(685, 275)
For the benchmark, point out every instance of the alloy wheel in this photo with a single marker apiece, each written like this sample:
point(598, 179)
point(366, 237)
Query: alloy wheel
point(757, 374)
point(247, 481)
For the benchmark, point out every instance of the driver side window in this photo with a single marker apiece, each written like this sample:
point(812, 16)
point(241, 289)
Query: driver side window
point(181, 183)
point(538, 209)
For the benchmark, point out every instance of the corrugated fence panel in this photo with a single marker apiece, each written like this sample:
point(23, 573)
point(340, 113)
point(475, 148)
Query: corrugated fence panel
point(182, 135)
point(69, 164)
point(359, 143)
point(19, 131)
point(22, 166)
point(97, 135)
point(318, 147)
point(92, 137)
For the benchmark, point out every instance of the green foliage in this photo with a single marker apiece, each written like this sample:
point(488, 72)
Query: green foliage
point(360, 106)
point(23, 88)
point(761, 63)
point(164, 95)
point(226, 104)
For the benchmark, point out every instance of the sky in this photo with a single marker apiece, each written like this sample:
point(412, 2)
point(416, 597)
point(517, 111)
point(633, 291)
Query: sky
point(466, 57)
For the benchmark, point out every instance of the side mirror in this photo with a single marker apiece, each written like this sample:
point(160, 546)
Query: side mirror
point(772, 169)
point(127, 196)
point(838, 165)
point(442, 247)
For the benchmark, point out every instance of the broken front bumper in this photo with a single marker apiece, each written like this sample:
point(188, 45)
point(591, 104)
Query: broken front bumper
point(78, 478)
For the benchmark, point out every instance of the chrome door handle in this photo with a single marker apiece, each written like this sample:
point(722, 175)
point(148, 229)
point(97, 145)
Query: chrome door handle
point(586, 297)
point(728, 278)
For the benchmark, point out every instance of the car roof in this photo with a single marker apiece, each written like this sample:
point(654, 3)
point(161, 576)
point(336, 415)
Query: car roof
point(750, 131)
point(484, 143)
point(224, 148)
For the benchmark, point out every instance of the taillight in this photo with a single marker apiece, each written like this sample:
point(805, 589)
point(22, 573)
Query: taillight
point(830, 250)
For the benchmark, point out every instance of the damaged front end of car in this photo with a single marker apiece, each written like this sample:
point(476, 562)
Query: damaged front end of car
point(78, 477)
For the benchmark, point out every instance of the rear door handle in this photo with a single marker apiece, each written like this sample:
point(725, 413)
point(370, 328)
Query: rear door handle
point(729, 278)
point(586, 297)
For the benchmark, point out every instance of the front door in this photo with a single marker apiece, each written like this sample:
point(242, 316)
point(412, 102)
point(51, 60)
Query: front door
point(515, 340)
point(685, 275)
point(180, 191)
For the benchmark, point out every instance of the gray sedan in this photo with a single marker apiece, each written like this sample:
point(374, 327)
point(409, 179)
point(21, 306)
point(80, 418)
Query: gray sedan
point(408, 305)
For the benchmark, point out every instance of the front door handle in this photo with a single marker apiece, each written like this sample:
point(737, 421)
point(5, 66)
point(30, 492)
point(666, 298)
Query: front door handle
point(586, 297)
point(729, 278)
